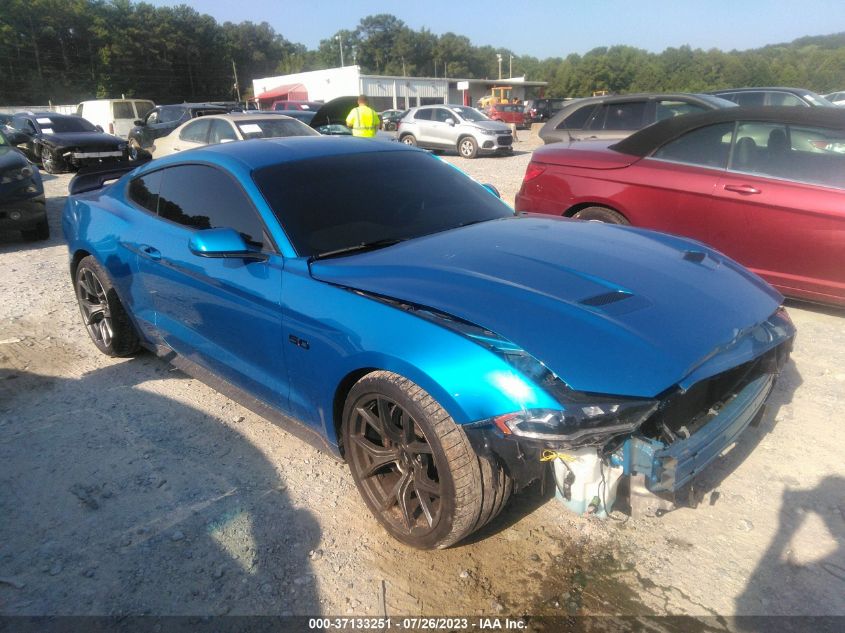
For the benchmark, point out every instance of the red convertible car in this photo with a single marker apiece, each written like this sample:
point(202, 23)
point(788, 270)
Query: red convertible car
point(766, 186)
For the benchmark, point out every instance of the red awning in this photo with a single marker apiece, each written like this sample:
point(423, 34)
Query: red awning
point(296, 92)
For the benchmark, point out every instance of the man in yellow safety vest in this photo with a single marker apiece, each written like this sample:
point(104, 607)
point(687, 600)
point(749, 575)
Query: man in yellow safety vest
point(363, 120)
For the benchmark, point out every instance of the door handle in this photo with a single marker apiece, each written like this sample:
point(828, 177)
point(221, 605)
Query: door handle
point(149, 251)
point(744, 189)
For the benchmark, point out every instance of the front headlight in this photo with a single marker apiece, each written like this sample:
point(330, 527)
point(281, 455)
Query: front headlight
point(16, 175)
point(578, 423)
point(486, 132)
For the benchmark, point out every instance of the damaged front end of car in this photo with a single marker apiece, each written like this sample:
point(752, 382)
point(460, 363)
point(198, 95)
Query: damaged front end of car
point(665, 441)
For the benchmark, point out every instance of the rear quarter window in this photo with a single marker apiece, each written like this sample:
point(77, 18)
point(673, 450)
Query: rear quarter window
point(122, 110)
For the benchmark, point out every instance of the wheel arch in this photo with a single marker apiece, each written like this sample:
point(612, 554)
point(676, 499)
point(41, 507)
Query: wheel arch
point(585, 205)
point(78, 256)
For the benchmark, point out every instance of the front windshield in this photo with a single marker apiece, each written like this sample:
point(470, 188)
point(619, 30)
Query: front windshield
point(469, 114)
point(60, 124)
point(273, 128)
point(322, 205)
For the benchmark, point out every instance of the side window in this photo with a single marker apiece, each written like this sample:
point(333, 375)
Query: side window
point(203, 197)
point(144, 190)
point(578, 119)
point(796, 153)
point(669, 109)
point(784, 99)
point(123, 110)
point(625, 116)
point(143, 107)
point(423, 115)
point(22, 124)
point(750, 98)
point(442, 115)
point(196, 132)
point(168, 114)
point(221, 131)
point(707, 146)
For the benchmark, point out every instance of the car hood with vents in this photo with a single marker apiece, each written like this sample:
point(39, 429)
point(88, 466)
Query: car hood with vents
point(609, 309)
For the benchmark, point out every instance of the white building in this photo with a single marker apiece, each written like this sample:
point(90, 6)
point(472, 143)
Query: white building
point(383, 91)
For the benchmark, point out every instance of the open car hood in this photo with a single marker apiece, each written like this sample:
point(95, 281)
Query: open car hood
point(609, 309)
point(334, 111)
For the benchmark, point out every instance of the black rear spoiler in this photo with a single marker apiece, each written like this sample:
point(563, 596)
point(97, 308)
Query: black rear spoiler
point(95, 177)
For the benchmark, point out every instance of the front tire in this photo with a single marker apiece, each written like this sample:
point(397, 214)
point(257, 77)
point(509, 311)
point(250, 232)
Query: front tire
point(408, 139)
point(415, 467)
point(601, 214)
point(51, 163)
point(135, 151)
point(467, 147)
point(102, 312)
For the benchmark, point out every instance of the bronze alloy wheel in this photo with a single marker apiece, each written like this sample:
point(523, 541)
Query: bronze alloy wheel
point(396, 465)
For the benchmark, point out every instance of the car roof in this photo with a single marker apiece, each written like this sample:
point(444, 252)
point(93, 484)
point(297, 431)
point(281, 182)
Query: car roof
point(258, 153)
point(645, 141)
point(759, 88)
point(238, 116)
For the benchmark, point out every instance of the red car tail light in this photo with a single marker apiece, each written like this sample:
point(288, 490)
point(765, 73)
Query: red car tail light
point(533, 170)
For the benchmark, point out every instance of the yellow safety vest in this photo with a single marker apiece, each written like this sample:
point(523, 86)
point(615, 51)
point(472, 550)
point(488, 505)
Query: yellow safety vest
point(363, 120)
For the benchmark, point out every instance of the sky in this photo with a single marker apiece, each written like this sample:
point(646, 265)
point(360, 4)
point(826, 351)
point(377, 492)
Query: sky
point(549, 28)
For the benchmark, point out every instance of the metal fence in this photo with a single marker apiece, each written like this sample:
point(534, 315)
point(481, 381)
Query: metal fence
point(60, 109)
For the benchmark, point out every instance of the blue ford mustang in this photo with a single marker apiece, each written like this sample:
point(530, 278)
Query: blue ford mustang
point(376, 300)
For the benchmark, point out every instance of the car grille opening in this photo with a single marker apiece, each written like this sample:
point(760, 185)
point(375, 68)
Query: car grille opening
point(681, 414)
point(605, 298)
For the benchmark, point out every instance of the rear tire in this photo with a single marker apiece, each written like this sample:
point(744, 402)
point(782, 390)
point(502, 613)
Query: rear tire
point(414, 467)
point(39, 233)
point(102, 312)
point(601, 214)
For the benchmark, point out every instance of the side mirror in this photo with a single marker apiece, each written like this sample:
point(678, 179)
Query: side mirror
point(137, 122)
point(450, 122)
point(18, 138)
point(222, 243)
point(492, 189)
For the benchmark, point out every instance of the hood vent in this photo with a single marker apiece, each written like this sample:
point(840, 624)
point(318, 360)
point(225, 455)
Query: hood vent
point(604, 299)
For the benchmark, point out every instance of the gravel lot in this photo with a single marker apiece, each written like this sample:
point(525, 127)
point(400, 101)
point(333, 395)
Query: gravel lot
point(128, 488)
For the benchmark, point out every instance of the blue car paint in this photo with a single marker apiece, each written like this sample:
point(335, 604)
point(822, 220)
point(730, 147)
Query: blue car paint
point(519, 277)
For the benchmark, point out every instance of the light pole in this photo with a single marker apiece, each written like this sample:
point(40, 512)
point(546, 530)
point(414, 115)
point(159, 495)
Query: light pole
point(339, 39)
point(499, 58)
point(510, 67)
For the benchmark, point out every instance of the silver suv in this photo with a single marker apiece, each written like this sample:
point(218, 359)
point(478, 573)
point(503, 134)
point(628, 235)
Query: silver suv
point(454, 127)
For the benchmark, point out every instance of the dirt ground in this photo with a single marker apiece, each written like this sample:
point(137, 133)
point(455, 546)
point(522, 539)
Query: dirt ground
point(129, 488)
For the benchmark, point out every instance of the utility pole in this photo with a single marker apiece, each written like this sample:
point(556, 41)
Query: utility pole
point(237, 87)
point(339, 39)
point(499, 58)
point(510, 67)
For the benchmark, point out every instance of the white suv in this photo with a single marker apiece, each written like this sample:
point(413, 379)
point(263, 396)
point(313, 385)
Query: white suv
point(454, 127)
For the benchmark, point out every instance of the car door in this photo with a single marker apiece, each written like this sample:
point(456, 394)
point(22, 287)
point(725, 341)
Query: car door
point(159, 123)
point(672, 190)
point(423, 126)
point(224, 314)
point(443, 123)
point(790, 186)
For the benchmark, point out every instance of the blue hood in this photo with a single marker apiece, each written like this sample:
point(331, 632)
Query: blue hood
point(609, 309)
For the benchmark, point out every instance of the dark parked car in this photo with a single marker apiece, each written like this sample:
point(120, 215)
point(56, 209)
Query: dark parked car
point(538, 110)
point(418, 329)
point(618, 116)
point(162, 120)
point(766, 186)
point(390, 119)
point(22, 205)
point(61, 142)
point(773, 96)
point(284, 104)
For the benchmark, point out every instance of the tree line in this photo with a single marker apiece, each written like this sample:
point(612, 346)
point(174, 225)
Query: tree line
point(65, 51)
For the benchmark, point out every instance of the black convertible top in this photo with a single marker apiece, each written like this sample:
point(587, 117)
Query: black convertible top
point(645, 141)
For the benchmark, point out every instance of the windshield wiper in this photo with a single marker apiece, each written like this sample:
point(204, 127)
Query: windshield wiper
point(357, 248)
